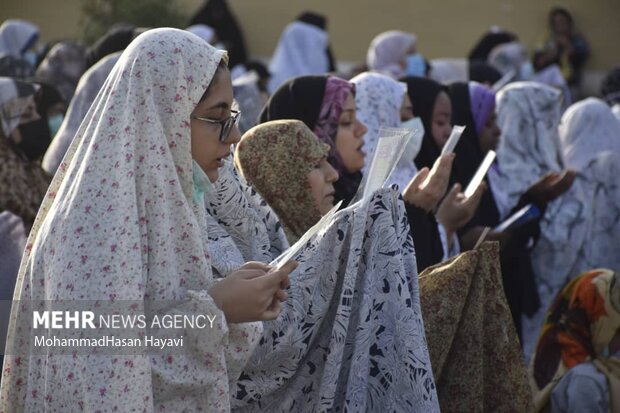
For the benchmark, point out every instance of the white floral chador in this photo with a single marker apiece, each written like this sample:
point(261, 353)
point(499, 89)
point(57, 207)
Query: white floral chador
point(120, 222)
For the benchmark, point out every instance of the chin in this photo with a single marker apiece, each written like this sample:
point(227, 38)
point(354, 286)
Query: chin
point(213, 175)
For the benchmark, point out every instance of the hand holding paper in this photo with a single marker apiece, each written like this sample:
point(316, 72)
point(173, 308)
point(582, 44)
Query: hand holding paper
point(427, 188)
point(456, 209)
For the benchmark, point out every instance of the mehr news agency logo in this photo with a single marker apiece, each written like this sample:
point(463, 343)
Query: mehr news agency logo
point(87, 320)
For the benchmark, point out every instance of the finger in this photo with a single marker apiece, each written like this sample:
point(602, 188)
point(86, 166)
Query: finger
point(277, 277)
point(454, 192)
point(288, 267)
point(443, 165)
point(272, 312)
point(281, 295)
point(418, 179)
point(474, 200)
point(250, 274)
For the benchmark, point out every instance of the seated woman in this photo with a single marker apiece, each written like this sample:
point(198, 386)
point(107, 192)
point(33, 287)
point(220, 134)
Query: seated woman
point(528, 115)
point(124, 220)
point(576, 367)
point(590, 143)
point(474, 107)
point(298, 181)
point(395, 53)
point(302, 50)
point(384, 102)
point(334, 344)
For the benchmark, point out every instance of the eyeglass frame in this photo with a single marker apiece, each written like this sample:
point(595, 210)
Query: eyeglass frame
point(225, 124)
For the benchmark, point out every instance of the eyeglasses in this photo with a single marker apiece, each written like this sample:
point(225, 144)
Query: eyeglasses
point(225, 124)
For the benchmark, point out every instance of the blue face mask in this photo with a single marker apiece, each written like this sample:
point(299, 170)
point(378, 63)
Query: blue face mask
point(202, 183)
point(31, 58)
point(54, 123)
point(416, 65)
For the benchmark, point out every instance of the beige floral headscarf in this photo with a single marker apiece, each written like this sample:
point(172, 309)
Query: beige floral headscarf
point(275, 158)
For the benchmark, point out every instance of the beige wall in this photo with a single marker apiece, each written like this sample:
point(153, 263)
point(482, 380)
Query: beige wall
point(445, 28)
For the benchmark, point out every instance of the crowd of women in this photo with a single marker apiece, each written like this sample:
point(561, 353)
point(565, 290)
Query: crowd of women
point(154, 166)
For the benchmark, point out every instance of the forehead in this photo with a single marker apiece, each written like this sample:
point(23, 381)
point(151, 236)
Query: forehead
point(220, 90)
point(349, 103)
point(442, 103)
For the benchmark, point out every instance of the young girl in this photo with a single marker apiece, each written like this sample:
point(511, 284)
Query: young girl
point(124, 219)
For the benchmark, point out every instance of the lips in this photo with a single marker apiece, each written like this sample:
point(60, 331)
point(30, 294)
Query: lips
point(220, 160)
point(360, 150)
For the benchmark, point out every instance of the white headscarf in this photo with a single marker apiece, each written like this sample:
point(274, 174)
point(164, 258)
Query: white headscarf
point(449, 70)
point(387, 50)
point(87, 89)
point(507, 56)
point(120, 222)
point(203, 31)
point(528, 114)
point(16, 99)
point(63, 66)
point(16, 36)
point(552, 76)
point(588, 128)
point(301, 50)
point(378, 99)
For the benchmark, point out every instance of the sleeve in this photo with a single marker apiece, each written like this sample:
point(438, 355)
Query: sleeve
point(212, 362)
point(580, 393)
point(230, 207)
point(426, 237)
point(456, 245)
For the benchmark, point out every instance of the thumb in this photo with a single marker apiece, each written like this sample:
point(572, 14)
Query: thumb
point(280, 276)
point(255, 265)
point(454, 192)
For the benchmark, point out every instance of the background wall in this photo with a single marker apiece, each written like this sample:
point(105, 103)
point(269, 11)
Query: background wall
point(445, 28)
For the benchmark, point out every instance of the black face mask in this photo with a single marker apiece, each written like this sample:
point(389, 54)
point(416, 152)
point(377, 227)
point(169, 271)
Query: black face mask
point(35, 138)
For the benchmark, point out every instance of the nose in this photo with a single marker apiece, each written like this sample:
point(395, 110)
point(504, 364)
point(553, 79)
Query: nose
point(497, 131)
point(234, 137)
point(360, 128)
point(332, 174)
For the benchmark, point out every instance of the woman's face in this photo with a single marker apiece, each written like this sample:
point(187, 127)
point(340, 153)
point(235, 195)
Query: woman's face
point(406, 109)
point(489, 135)
point(442, 115)
point(349, 138)
point(321, 180)
point(207, 150)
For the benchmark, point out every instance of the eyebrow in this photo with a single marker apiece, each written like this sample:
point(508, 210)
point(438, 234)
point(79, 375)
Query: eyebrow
point(221, 105)
point(348, 110)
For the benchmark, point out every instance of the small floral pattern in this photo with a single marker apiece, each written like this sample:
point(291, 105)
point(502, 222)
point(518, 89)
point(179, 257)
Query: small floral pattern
point(472, 342)
point(119, 223)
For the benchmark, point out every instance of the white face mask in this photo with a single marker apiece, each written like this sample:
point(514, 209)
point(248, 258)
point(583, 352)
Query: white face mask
point(415, 143)
point(526, 71)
